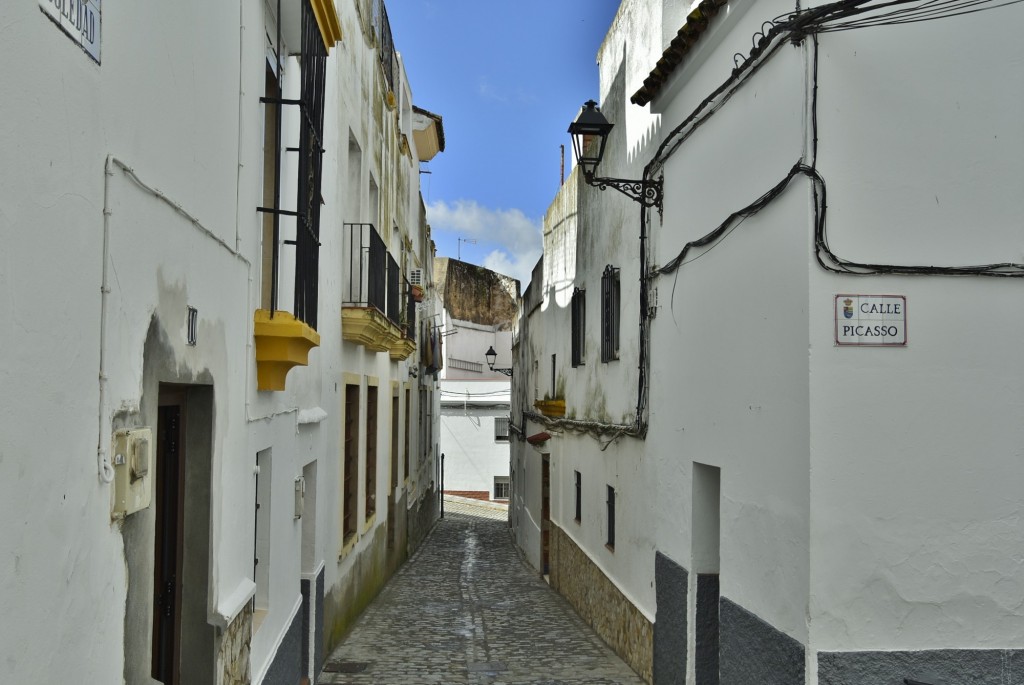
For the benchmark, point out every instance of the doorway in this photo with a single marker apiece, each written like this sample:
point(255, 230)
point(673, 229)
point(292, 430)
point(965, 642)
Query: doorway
point(169, 537)
point(545, 514)
point(183, 646)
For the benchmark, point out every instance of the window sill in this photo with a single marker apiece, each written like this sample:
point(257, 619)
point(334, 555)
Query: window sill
point(610, 548)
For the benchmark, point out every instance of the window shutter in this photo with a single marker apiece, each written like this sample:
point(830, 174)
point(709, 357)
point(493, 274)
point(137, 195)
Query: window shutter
point(610, 314)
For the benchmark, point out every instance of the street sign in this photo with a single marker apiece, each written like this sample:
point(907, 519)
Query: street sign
point(79, 19)
point(871, 320)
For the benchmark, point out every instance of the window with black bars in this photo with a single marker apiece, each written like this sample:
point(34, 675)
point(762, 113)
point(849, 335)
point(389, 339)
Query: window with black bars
point(394, 298)
point(578, 309)
point(307, 212)
point(386, 42)
point(410, 312)
point(611, 518)
point(610, 314)
point(501, 429)
point(579, 498)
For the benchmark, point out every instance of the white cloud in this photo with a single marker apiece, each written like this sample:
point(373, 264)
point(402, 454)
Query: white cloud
point(517, 237)
point(518, 266)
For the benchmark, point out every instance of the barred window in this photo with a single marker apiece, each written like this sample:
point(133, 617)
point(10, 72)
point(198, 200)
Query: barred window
point(610, 543)
point(579, 325)
point(501, 429)
point(610, 314)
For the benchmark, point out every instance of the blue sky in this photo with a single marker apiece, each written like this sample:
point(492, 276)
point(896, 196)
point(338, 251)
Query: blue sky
point(507, 78)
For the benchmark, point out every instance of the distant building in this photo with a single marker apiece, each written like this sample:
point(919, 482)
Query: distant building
point(479, 309)
point(771, 429)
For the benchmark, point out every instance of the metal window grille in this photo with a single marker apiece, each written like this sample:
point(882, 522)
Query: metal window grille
point(366, 261)
point(307, 234)
point(579, 499)
point(394, 296)
point(579, 313)
point(501, 428)
point(610, 314)
point(307, 213)
point(192, 326)
point(611, 517)
point(385, 41)
point(410, 313)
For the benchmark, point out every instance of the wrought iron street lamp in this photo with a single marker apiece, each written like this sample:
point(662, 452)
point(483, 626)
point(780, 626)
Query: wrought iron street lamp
point(491, 356)
point(589, 135)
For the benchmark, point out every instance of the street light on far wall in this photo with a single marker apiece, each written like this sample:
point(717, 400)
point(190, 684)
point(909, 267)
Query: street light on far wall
point(491, 356)
point(589, 135)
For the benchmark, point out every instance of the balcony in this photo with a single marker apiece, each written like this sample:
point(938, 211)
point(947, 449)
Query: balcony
point(373, 313)
point(551, 408)
point(282, 342)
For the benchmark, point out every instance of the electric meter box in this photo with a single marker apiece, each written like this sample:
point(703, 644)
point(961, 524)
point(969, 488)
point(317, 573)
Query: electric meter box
point(132, 456)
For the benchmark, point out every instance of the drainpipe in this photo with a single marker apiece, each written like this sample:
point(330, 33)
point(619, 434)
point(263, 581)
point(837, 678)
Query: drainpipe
point(104, 468)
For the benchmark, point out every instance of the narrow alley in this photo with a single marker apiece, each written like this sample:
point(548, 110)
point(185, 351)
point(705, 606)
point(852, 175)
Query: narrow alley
point(468, 609)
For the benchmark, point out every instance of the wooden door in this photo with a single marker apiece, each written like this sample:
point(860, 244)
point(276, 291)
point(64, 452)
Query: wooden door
point(169, 536)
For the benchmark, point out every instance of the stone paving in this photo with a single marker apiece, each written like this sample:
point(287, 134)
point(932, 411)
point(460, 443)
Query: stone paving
point(468, 609)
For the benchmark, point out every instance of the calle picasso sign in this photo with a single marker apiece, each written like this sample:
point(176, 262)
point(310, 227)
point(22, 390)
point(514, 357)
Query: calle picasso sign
point(80, 19)
point(871, 320)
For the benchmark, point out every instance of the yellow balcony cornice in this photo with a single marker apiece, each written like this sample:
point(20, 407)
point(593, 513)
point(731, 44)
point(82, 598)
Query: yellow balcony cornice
point(402, 348)
point(368, 327)
point(551, 408)
point(328, 21)
point(282, 342)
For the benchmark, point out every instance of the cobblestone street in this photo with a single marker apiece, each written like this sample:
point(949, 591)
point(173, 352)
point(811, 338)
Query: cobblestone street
point(467, 609)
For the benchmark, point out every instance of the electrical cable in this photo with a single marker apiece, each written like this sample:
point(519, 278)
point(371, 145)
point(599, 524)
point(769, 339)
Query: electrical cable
point(812, 22)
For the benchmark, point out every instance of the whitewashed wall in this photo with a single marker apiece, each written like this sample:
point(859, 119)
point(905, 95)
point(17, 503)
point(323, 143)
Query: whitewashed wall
point(916, 452)
point(165, 113)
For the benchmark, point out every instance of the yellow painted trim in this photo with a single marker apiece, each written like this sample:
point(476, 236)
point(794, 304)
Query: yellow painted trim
point(348, 547)
point(401, 349)
point(351, 378)
point(551, 408)
point(369, 523)
point(368, 327)
point(372, 381)
point(327, 19)
point(282, 342)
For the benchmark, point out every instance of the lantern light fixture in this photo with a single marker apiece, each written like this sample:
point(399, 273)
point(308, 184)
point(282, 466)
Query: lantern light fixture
point(491, 356)
point(589, 137)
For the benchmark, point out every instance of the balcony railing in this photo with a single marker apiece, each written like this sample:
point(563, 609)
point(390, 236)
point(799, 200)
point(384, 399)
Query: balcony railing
point(382, 27)
point(410, 312)
point(365, 265)
point(394, 296)
point(374, 312)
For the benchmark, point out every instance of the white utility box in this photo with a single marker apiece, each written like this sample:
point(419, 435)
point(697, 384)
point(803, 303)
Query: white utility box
point(132, 456)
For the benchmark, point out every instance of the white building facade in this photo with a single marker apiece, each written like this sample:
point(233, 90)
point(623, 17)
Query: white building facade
point(478, 309)
point(174, 272)
point(784, 442)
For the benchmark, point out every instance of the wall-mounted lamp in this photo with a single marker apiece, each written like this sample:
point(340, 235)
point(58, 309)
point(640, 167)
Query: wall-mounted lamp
point(589, 135)
point(491, 356)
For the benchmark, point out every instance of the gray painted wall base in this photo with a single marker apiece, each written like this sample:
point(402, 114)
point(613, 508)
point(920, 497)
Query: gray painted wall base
point(313, 635)
point(706, 656)
point(940, 666)
point(286, 668)
point(670, 587)
point(755, 653)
